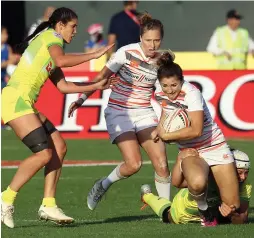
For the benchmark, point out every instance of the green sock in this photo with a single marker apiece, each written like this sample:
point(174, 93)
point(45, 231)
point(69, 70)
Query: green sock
point(158, 204)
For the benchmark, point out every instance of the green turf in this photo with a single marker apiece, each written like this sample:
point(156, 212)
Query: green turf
point(13, 149)
point(118, 215)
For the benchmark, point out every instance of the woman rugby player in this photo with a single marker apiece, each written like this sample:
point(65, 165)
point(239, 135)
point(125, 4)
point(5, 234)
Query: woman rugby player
point(202, 139)
point(41, 60)
point(129, 115)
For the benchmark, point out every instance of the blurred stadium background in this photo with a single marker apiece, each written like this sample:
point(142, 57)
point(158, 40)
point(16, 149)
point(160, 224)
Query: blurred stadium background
point(188, 25)
point(188, 28)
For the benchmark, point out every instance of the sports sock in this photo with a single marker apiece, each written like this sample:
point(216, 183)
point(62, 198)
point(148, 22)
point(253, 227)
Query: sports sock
point(113, 177)
point(163, 186)
point(8, 196)
point(201, 200)
point(49, 202)
point(158, 204)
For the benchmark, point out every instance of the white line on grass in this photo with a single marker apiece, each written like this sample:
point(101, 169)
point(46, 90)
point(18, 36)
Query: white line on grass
point(88, 220)
point(84, 165)
point(87, 178)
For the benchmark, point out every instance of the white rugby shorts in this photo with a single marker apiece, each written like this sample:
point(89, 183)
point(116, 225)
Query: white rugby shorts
point(121, 121)
point(216, 156)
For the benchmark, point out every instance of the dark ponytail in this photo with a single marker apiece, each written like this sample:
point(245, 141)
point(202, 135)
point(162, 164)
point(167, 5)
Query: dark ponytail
point(167, 58)
point(61, 14)
point(39, 29)
point(167, 67)
point(21, 47)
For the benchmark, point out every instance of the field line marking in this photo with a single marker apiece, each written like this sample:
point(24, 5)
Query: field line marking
point(73, 163)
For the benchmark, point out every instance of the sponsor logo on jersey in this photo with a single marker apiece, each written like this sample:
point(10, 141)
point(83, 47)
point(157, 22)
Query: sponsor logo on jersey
point(131, 75)
point(148, 79)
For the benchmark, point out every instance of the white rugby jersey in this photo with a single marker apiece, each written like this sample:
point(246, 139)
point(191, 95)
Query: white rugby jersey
point(138, 75)
point(191, 99)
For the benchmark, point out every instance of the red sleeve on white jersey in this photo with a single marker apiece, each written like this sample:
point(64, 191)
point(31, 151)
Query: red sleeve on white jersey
point(194, 100)
point(116, 61)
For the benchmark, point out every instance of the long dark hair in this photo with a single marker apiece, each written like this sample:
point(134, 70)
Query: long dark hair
point(61, 14)
point(167, 67)
point(148, 23)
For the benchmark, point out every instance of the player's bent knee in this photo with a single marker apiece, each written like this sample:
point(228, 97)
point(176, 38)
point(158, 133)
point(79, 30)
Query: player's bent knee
point(134, 166)
point(198, 184)
point(62, 150)
point(45, 156)
point(36, 140)
point(197, 188)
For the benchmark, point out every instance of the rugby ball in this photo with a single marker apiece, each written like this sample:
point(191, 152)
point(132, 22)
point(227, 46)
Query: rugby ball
point(176, 120)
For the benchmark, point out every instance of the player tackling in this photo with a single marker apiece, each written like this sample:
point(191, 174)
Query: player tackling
point(184, 209)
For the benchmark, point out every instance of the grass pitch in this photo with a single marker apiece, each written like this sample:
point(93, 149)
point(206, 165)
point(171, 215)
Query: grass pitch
point(118, 215)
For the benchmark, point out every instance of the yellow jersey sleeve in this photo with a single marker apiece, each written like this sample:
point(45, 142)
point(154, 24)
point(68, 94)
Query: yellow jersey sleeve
point(35, 65)
point(245, 191)
point(53, 38)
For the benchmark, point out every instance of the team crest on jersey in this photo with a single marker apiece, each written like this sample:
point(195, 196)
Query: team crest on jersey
point(57, 35)
point(225, 156)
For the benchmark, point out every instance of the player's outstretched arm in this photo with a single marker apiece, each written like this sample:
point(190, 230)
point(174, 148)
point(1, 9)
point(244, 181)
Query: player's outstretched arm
point(68, 60)
point(73, 87)
point(105, 73)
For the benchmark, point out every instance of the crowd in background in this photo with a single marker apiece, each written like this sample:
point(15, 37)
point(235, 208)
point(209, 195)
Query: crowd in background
point(230, 44)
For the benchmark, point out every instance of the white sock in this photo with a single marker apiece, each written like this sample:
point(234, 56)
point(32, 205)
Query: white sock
point(113, 177)
point(201, 200)
point(202, 204)
point(163, 186)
